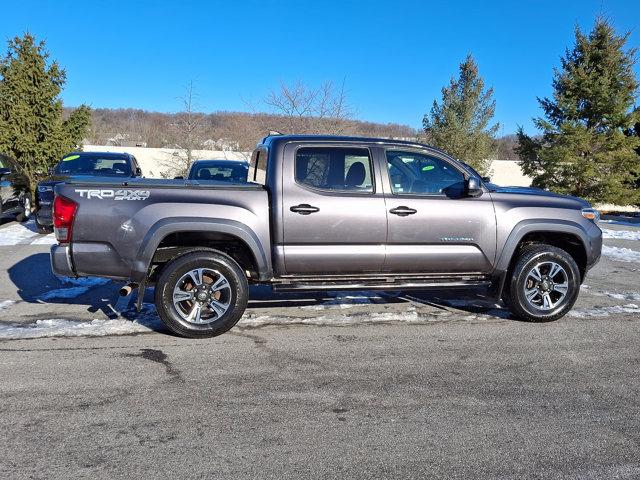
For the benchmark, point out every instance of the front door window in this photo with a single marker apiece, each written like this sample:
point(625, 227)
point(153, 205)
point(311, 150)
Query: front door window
point(416, 173)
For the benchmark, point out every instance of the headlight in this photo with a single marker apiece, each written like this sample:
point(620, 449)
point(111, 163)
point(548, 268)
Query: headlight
point(591, 214)
point(45, 188)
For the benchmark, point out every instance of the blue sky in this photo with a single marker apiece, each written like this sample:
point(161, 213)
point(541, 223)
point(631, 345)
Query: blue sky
point(394, 56)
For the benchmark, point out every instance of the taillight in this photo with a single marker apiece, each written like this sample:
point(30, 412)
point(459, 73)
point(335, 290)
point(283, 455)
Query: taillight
point(64, 211)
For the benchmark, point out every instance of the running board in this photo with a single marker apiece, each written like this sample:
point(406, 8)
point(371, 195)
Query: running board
point(388, 284)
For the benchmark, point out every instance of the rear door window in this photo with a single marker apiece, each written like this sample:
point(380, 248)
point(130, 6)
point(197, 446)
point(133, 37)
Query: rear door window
point(334, 169)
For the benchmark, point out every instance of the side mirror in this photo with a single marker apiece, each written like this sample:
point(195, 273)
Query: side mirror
point(138, 172)
point(473, 187)
point(179, 177)
point(51, 170)
point(486, 179)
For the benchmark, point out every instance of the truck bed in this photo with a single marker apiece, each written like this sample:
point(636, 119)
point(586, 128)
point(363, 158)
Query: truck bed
point(118, 224)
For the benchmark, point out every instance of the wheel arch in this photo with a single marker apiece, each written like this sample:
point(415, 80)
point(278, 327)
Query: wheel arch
point(568, 236)
point(173, 236)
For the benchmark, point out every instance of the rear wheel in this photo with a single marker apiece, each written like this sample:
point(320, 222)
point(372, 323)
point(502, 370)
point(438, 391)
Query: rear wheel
point(544, 285)
point(201, 294)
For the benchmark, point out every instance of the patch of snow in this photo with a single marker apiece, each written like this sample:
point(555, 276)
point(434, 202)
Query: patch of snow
point(621, 234)
point(343, 300)
point(4, 304)
point(605, 311)
point(15, 235)
point(410, 315)
point(621, 222)
point(45, 240)
point(79, 286)
point(621, 254)
point(24, 234)
point(626, 296)
point(58, 327)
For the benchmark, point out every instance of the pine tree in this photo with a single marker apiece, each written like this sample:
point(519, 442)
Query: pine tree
point(585, 149)
point(32, 130)
point(460, 124)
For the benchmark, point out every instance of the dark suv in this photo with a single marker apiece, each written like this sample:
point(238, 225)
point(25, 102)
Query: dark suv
point(80, 165)
point(14, 199)
point(219, 170)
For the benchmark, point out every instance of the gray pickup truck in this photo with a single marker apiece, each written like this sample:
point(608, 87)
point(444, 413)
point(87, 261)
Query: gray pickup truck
point(326, 213)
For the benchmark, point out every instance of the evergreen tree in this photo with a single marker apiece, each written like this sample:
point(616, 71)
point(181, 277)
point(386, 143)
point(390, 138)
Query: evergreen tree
point(32, 130)
point(460, 124)
point(585, 149)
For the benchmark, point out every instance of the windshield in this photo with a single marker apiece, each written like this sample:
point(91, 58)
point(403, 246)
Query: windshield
point(94, 164)
point(220, 171)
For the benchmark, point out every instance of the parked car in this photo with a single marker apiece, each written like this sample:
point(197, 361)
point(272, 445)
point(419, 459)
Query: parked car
point(79, 165)
point(326, 213)
point(219, 170)
point(15, 201)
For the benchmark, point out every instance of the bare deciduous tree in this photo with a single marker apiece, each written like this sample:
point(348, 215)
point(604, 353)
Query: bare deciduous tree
point(311, 110)
point(189, 130)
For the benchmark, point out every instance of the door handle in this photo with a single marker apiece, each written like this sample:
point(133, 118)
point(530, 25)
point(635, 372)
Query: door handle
point(304, 209)
point(403, 211)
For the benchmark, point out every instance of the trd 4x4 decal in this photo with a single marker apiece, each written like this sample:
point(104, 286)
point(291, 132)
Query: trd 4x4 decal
point(101, 194)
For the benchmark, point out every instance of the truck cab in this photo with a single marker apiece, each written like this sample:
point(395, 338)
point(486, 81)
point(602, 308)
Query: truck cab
point(349, 206)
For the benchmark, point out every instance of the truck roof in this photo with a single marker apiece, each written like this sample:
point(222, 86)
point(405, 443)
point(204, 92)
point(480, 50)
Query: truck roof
point(114, 155)
point(272, 139)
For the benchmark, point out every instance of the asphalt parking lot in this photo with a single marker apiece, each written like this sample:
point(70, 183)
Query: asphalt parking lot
point(357, 384)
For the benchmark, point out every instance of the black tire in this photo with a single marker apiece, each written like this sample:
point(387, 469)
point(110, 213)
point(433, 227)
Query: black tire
point(42, 229)
point(177, 268)
point(26, 209)
point(530, 257)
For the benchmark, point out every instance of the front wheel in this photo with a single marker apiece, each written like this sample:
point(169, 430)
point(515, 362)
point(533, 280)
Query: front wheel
point(544, 285)
point(201, 294)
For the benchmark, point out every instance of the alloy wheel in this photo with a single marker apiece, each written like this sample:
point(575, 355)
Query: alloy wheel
point(202, 296)
point(546, 285)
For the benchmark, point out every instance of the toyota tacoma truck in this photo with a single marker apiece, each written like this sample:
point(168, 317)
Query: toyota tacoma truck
point(326, 213)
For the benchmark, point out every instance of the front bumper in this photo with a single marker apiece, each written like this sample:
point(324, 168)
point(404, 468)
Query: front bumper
point(61, 261)
point(594, 248)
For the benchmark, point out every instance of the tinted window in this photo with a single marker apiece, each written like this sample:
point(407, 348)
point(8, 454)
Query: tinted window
point(258, 166)
point(220, 172)
point(94, 164)
point(417, 173)
point(334, 168)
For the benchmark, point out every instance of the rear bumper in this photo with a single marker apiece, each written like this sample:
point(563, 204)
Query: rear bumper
point(44, 215)
point(81, 259)
point(61, 261)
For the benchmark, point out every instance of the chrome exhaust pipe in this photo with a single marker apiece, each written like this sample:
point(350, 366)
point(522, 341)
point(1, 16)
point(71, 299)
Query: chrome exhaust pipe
point(127, 289)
